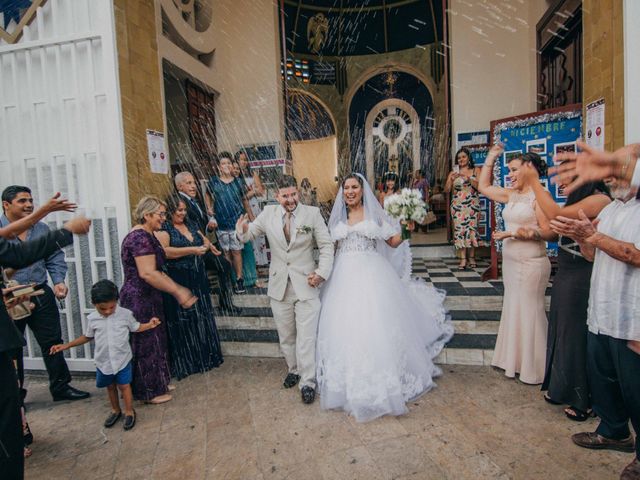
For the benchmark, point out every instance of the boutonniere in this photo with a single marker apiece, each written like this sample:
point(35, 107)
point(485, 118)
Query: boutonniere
point(303, 229)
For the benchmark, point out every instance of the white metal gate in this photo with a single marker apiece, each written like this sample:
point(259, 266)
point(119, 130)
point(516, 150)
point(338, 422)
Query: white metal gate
point(61, 130)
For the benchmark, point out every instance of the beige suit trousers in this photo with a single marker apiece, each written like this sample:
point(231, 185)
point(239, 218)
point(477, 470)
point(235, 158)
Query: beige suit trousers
point(297, 324)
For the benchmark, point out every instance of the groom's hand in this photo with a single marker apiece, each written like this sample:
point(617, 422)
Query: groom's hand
point(242, 225)
point(314, 280)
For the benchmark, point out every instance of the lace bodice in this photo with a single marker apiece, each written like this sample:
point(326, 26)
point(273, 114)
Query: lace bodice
point(520, 211)
point(356, 242)
point(360, 237)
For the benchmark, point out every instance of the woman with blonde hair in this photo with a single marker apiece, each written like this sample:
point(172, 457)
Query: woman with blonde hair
point(144, 281)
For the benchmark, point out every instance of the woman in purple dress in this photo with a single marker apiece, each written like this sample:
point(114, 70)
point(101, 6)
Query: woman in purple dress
point(144, 282)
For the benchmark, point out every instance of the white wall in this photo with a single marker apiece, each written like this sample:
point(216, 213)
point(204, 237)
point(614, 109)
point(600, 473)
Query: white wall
point(493, 60)
point(631, 14)
point(244, 70)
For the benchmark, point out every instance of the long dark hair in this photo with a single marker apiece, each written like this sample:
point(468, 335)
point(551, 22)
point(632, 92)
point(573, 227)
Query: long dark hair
point(535, 160)
point(469, 156)
point(358, 178)
point(390, 176)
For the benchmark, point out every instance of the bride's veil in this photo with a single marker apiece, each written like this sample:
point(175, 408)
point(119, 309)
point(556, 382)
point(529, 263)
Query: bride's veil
point(399, 257)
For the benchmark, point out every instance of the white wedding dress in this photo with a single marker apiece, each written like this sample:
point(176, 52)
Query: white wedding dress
point(379, 329)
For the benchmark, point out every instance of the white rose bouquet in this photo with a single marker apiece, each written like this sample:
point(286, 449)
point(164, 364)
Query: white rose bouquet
point(406, 206)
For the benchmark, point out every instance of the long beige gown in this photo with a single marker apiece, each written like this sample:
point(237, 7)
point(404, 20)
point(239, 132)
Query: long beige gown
point(522, 336)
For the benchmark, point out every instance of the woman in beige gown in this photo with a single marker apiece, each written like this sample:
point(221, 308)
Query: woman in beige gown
point(522, 336)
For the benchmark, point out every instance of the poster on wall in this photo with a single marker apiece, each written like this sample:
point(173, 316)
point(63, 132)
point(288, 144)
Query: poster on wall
point(465, 139)
point(594, 134)
point(158, 158)
point(545, 133)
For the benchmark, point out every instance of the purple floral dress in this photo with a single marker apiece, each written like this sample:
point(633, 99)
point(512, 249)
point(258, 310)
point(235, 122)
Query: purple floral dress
point(150, 354)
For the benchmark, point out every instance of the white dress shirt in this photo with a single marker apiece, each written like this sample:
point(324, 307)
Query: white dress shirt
point(615, 286)
point(111, 334)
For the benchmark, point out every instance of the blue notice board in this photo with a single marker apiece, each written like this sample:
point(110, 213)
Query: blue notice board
point(479, 155)
point(546, 133)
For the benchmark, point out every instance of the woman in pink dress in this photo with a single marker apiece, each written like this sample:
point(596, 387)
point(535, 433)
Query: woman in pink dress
point(522, 336)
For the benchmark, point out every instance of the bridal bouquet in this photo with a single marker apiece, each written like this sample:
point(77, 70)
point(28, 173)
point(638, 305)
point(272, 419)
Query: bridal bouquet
point(406, 206)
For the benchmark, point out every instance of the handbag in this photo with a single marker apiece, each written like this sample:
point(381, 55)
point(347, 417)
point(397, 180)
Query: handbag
point(429, 218)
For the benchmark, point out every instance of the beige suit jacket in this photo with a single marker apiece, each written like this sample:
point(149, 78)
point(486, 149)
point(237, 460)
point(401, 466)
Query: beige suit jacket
point(294, 259)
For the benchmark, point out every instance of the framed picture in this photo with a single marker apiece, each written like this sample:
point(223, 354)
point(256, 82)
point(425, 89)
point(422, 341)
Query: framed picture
point(539, 146)
point(560, 193)
point(507, 156)
point(482, 230)
point(483, 202)
point(564, 147)
point(545, 183)
point(507, 181)
point(483, 217)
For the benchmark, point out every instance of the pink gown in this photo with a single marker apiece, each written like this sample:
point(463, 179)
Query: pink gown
point(522, 336)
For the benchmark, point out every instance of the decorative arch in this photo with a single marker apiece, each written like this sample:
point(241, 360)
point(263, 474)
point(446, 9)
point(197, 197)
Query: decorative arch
point(391, 67)
point(383, 88)
point(412, 129)
point(303, 104)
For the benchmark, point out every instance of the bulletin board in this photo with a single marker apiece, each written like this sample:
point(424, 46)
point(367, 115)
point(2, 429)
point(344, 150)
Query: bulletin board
point(546, 132)
point(479, 155)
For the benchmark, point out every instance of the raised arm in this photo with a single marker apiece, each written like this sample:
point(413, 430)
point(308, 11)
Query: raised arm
point(55, 204)
point(591, 205)
point(493, 192)
point(246, 231)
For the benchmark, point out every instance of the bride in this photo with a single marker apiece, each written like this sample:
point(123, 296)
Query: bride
point(379, 329)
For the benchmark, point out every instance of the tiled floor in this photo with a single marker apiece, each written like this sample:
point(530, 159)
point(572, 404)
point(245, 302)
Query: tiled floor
point(237, 422)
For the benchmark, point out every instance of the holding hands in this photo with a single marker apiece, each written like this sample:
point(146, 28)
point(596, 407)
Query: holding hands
point(242, 225)
point(314, 280)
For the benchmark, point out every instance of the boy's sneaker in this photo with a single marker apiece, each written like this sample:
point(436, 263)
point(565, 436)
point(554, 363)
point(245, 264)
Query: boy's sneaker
point(240, 286)
point(129, 421)
point(112, 419)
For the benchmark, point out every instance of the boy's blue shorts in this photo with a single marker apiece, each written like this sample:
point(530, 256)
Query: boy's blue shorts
point(123, 377)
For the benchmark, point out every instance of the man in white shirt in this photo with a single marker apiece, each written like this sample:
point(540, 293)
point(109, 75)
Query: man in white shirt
point(613, 364)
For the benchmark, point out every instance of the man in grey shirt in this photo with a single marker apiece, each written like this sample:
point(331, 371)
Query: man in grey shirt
point(44, 320)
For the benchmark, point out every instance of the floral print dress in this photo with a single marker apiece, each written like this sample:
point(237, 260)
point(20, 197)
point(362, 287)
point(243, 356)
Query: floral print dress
point(465, 208)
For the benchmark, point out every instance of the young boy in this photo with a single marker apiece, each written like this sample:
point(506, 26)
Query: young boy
point(110, 325)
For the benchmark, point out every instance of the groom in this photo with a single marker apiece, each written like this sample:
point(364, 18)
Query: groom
point(293, 230)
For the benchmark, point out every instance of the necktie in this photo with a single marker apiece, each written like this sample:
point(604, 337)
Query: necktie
point(287, 226)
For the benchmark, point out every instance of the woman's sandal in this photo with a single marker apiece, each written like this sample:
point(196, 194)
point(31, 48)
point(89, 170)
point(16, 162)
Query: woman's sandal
point(462, 266)
point(472, 264)
point(577, 415)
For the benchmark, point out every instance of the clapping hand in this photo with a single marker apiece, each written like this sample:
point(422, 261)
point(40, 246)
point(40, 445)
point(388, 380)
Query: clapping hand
point(57, 204)
point(528, 175)
point(580, 230)
point(494, 152)
point(242, 225)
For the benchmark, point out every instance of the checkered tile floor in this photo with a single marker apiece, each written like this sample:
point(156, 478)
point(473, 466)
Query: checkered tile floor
point(444, 274)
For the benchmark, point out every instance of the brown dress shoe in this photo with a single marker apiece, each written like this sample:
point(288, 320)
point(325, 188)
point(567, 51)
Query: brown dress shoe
point(596, 441)
point(631, 471)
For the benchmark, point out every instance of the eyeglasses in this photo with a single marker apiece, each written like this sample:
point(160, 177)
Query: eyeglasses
point(161, 214)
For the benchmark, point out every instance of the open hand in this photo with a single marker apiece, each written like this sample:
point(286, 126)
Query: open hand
point(495, 151)
point(577, 168)
point(578, 229)
point(528, 175)
point(57, 204)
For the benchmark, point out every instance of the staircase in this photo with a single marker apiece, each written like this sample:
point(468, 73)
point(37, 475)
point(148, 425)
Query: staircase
point(474, 306)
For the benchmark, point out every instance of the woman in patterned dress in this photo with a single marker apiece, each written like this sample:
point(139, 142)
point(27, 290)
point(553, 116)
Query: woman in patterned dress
point(465, 205)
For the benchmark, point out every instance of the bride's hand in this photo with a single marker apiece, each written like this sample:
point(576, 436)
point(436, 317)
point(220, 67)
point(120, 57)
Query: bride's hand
point(502, 235)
